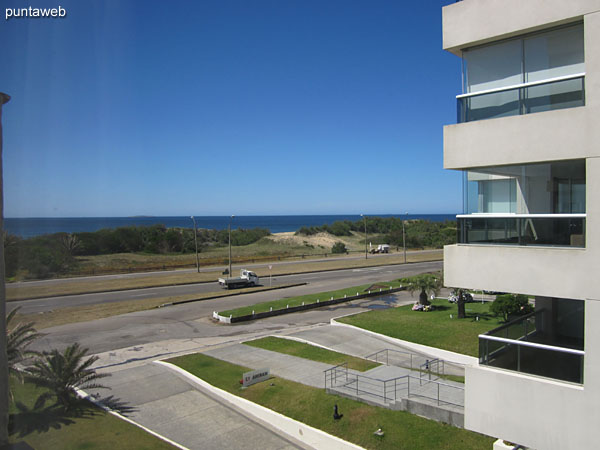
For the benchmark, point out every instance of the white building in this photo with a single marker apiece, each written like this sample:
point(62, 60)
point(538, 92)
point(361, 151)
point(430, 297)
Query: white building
point(527, 139)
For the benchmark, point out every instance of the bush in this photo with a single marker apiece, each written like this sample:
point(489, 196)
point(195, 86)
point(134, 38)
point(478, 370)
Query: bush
point(339, 247)
point(511, 305)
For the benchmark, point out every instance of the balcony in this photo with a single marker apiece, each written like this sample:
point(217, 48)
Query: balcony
point(524, 98)
point(560, 230)
point(523, 346)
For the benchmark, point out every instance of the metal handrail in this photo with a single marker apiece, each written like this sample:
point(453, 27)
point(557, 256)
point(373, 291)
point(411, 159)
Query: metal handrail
point(522, 85)
point(383, 384)
point(514, 321)
point(533, 344)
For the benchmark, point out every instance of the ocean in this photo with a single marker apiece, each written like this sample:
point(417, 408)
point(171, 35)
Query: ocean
point(29, 227)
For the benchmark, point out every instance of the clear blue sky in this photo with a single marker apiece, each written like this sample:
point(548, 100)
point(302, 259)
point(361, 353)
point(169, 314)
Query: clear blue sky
point(220, 107)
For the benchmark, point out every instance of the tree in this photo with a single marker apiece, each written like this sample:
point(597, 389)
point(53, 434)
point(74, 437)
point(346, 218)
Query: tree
point(509, 305)
point(339, 247)
point(460, 295)
point(18, 338)
point(426, 284)
point(63, 373)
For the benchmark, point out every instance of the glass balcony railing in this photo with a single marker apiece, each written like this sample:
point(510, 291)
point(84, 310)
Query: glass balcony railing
point(526, 98)
point(521, 347)
point(565, 230)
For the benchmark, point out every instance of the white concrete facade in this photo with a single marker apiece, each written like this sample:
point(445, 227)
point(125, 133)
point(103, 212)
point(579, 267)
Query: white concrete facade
point(538, 412)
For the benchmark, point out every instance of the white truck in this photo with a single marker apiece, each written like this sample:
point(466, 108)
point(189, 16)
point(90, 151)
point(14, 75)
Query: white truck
point(246, 278)
point(381, 248)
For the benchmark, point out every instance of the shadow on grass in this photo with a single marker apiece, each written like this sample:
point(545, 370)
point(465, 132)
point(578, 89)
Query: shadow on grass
point(41, 418)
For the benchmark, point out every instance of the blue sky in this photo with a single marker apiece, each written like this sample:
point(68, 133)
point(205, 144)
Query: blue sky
point(227, 107)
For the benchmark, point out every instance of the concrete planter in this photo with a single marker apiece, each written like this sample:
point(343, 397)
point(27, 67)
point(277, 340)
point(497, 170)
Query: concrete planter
point(279, 312)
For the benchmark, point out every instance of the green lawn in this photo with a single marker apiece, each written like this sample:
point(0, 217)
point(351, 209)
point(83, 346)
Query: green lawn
point(96, 430)
point(311, 352)
point(307, 299)
point(314, 407)
point(435, 328)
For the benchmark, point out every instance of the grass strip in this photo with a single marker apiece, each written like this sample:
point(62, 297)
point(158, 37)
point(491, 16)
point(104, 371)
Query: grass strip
point(314, 407)
point(51, 430)
point(314, 353)
point(434, 328)
point(306, 299)
point(91, 285)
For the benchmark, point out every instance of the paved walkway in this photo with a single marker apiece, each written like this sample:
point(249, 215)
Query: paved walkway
point(173, 408)
point(170, 406)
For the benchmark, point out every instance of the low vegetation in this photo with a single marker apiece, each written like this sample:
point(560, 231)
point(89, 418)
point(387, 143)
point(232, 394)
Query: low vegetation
point(88, 427)
point(60, 253)
point(437, 328)
point(388, 230)
point(307, 351)
point(314, 407)
point(139, 248)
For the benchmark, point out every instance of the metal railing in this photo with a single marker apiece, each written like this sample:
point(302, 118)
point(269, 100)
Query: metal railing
point(524, 98)
point(393, 389)
point(522, 229)
point(431, 367)
point(519, 346)
point(401, 358)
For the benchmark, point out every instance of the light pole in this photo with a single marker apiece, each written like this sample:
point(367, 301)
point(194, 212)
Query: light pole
point(404, 239)
point(365, 220)
point(196, 244)
point(230, 219)
point(3, 341)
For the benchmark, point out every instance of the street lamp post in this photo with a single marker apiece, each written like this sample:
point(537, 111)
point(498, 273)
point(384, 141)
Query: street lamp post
point(404, 239)
point(365, 220)
point(3, 341)
point(196, 244)
point(230, 219)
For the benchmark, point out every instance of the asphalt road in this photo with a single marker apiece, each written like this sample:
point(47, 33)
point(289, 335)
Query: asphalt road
point(192, 321)
point(317, 282)
point(235, 269)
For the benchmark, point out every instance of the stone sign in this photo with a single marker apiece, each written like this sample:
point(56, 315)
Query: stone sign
point(255, 376)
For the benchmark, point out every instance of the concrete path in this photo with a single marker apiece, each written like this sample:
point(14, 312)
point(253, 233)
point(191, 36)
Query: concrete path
point(357, 343)
point(284, 366)
point(173, 408)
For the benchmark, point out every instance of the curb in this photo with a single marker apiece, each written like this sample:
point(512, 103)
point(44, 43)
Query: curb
point(297, 430)
point(85, 395)
point(181, 302)
point(446, 355)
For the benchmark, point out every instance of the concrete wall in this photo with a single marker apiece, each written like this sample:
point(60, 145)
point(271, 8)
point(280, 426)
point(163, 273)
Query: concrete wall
point(540, 413)
point(473, 22)
point(546, 136)
point(537, 412)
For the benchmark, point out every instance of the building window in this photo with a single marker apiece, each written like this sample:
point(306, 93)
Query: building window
point(526, 204)
point(535, 73)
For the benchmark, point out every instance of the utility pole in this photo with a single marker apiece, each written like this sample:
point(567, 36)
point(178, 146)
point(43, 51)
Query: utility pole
point(230, 219)
point(404, 239)
point(3, 355)
point(196, 244)
point(365, 220)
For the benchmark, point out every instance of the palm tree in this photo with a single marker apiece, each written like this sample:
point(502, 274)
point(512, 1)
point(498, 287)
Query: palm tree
point(63, 373)
point(18, 337)
point(426, 284)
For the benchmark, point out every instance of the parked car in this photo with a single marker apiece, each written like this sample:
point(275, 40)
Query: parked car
point(454, 298)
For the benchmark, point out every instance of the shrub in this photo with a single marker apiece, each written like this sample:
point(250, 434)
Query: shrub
point(339, 247)
point(511, 305)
